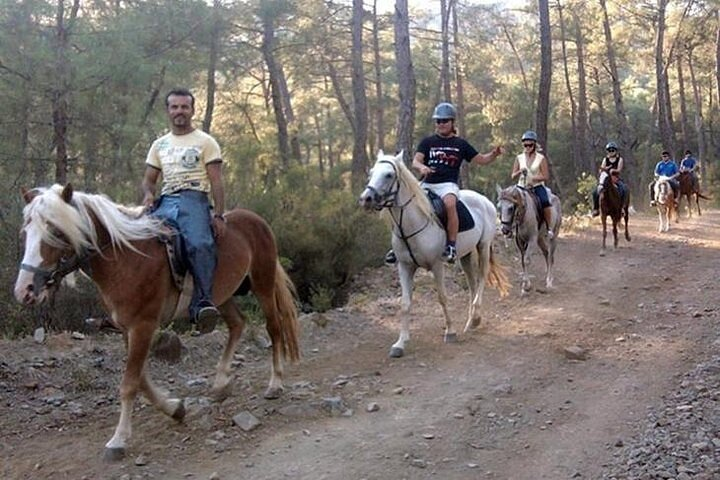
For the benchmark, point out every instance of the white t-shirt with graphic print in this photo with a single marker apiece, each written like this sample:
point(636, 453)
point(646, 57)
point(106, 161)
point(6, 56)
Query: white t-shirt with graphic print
point(182, 160)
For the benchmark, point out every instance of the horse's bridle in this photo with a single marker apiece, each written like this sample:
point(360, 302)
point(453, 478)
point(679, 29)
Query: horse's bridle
point(518, 212)
point(45, 278)
point(389, 200)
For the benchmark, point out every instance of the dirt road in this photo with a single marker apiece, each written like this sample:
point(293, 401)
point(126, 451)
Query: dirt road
point(506, 402)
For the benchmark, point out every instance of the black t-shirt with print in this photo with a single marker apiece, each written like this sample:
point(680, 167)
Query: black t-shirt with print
point(445, 155)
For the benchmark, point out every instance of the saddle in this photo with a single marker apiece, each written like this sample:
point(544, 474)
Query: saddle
point(466, 220)
point(538, 206)
point(180, 267)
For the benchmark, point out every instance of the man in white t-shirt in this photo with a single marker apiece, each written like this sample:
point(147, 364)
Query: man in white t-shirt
point(190, 164)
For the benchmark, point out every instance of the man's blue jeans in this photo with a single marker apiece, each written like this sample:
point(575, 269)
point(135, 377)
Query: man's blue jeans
point(188, 211)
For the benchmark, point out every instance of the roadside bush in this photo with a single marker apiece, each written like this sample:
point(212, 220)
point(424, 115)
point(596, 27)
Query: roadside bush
point(325, 235)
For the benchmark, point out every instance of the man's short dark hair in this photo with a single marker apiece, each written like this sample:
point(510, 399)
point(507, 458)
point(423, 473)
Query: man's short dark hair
point(665, 152)
point(180, 92)
point(688, 152)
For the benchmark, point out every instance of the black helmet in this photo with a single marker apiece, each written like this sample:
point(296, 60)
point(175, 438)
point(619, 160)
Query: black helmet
point(444, 110)
point(611, 145)
point(529, 135)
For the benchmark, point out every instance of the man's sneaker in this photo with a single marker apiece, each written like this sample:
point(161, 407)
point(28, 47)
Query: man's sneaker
point(206, 318)
point(390, 257)
point(550, 234)
point(595, 212)
point(652, 203)
point(450, 254)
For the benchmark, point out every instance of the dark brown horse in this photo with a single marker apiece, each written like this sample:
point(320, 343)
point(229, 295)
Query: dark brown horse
point(690, 189)
point(65, 231)
point(614, 206)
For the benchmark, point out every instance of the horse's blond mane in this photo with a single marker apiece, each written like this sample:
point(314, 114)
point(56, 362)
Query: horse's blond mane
point(75, 221)
point(408, 180)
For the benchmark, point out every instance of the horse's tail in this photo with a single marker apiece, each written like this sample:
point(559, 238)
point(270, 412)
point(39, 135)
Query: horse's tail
point(497, 275)
point(701, 195)
point(285, 295)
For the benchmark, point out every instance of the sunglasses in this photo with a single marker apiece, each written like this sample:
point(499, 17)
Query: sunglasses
point(442, 120)
point(612, 149)
point(528, 145)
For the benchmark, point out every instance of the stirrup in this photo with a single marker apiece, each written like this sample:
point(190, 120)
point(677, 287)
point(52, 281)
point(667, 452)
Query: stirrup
point(206, 319)
point(450, 254)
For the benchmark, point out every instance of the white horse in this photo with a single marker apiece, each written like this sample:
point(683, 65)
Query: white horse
point(665, 203)
point(418, 240)
point(520, 218)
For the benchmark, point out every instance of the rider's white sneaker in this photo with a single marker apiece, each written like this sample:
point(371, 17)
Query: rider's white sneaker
point(550, 234)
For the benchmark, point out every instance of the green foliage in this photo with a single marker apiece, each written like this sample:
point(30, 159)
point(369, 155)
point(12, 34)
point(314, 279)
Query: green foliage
point(326, 236)
point(580, 200)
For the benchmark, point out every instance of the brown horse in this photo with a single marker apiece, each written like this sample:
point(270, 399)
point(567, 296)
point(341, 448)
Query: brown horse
point(690, 189)
point(65, 231)
point(614, 206)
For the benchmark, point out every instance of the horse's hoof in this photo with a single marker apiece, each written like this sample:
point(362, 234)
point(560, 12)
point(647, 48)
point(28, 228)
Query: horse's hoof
point(114, 454)
point(450, 338)
point(273, 393)
point(396, 352)
point(179, 412)
point(220, 394)
point(602, 253)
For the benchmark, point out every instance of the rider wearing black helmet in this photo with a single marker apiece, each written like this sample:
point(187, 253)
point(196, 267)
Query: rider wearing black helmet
point(438, 159)
point(612, 164)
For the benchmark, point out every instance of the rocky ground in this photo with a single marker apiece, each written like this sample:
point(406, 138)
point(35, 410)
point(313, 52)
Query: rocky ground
point(613, 374)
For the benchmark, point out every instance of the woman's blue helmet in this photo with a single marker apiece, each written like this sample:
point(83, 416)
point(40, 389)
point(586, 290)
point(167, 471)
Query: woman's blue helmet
point(444, 110)
point(529, 135)
point(611, 145)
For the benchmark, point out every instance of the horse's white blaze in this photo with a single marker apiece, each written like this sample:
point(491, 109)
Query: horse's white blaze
point(31, 257)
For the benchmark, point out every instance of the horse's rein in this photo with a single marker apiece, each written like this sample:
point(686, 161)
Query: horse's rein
point(389, 201)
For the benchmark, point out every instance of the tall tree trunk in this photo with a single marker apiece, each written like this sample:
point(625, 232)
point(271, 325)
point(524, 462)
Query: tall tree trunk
point(61, 88)
point(379, 107)
point(663, 100)
point(685, 131)
point(268, 47)
point(623, 128)
point(543, 102)
point(293, 127)
point(459, 91)
point(406, 80)
point(212, 67)
point(717, 54)
point(699, 130)
point(360, 158)
point(576, 141)
point(582, 113)
point(446, 89)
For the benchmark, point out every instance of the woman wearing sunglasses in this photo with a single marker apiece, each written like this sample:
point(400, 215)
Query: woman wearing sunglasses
point(532, 171)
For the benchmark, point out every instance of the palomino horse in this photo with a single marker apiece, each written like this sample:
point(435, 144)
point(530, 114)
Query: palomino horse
point(614, 206)
point(690, 189)
point(65, 231)
point(521, 219)
point(665, 203)
point(418, 239)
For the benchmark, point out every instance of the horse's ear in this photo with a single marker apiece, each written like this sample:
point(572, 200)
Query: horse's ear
point(400, 156)
point(67, 193)
point(498, 190)
point(28, 195)
point(381, 153)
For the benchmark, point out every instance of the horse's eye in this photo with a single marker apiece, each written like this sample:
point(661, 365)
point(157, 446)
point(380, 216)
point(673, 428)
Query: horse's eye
point(388, 175)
